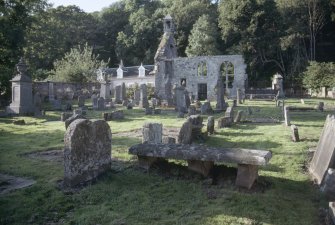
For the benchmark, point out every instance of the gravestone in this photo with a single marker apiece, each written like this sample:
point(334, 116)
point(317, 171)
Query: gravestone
point(287, 116)
point(74, 117)
point(220, 102)
point(206, 108)
point(118, 94)
point(137, 96)
point(168, 140)
point(332, 211)
point(37, 104)
point(125, 102)
point(123, 92)
point(148, 111)
point(143, 96)
point(22, 95)
point(196, 121)
point(65, 115)
point(94, 99)
point(81, 101)
point(130, 105)
point(116, 115)
point(152, 133)
point(295, 133)
point(230, 113)
point(324, 156)
point(210, 125)
point(238, 116)
point(192, 110)
point(67, 106)
point(180, 99)
point(105, 89)
point(320, 106)
point(234, 103)
point(302, 101)
point(87, 152)
point(101, 103)
point(224, 122)
point(185, 133)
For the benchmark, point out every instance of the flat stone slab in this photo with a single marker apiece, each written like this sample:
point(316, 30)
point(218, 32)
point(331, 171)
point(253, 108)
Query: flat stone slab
point(10, 183)
point(203, 153)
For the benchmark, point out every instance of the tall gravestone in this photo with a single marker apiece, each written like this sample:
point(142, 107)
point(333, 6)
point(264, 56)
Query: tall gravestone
point(220, 102)
point(123, 92)
point(22, 95)
point(324, 156)
point(81, 100)
point(137, 95)
point(87, 152)
point(287, 115)
point(118, 95)
point(180, 99)
point(143, 96)
point(105, 89)
point(101, 103)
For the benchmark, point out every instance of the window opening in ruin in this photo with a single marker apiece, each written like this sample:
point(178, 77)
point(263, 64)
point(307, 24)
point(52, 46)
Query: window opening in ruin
point(204, 69)
point(168, 23)
point(199, 69)
point(183, 82)
point(202, 91)
point(227, 72)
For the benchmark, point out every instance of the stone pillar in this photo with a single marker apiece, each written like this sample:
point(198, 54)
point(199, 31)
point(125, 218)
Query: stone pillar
point(210, 125)
point(220, 102)
point(238, 96)
point(287, 116)
point(22, 94)
point(143, 96)
point(152, 133)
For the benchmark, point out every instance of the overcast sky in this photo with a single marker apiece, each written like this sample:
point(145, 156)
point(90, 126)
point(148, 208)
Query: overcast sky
point(86, 5)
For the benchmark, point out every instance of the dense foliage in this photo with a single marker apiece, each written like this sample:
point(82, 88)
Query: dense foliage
point(319, 75)
point(273, 35)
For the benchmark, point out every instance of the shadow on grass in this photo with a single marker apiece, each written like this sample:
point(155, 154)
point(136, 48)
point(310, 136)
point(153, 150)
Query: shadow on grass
point(261, 145)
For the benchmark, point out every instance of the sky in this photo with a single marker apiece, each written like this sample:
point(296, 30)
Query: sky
point(86, 5)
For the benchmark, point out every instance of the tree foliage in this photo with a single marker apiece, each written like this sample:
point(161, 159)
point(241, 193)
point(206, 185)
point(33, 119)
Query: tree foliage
point(78, 65)
point(203, 38)
point(318, 75)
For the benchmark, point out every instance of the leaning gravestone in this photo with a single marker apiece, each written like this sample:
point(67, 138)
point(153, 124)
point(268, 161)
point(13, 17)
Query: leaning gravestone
point(152, 133)
point(324, 156)
point(143, 96)
point(87, 152)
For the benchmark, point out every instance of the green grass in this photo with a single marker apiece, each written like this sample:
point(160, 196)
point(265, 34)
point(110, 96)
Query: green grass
point(128, 195)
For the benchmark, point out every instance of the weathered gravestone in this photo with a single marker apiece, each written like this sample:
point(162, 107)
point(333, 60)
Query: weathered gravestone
point(210, 125)
point(118, 94)
point(65, 115)
point(324, 156)
point(152, 133)
point(137, 95)
point(238, 96)
point(180, 99)
point(94, 99)
point(101, 103)
point(321, 106)
point(87, 152)
point(143, 96)
point(197, 125)
point(81, 101)
point(116, 115)
point(295, 133)
point(328, 185)
point(224, 122)
point(185, 133)
point(302, 101)
point(206, 108)
point(192, 110)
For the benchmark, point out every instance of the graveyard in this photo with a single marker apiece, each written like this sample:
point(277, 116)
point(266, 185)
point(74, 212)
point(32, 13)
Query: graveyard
point(166, 193)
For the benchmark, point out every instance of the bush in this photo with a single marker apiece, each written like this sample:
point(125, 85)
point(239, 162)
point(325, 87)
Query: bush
point(319, 75)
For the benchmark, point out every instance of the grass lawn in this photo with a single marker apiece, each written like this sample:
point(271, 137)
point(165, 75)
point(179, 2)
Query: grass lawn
point(129, 195)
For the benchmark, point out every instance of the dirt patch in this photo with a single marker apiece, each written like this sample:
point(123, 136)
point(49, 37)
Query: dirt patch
point(10, 183)
point(54, 155)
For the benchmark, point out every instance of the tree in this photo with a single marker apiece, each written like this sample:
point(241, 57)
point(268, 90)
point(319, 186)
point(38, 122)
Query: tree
point(15, 16)
point(78, 65)
point(53, 33)
point(319, 75)
point(203, 38)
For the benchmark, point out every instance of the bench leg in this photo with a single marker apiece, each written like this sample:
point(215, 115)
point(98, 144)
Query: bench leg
point(202, 167)
point(246, 175)
point(145, 162)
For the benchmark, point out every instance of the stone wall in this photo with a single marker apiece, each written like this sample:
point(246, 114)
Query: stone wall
point(187, 68)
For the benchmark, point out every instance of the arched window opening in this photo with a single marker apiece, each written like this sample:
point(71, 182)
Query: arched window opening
point(227, 72)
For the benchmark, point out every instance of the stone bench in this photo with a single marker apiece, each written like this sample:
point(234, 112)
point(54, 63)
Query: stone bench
point(201, 158)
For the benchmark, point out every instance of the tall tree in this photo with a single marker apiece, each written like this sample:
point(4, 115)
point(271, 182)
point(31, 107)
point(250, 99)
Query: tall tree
point(54, 32)
point(203, 38)
point(15, 16)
